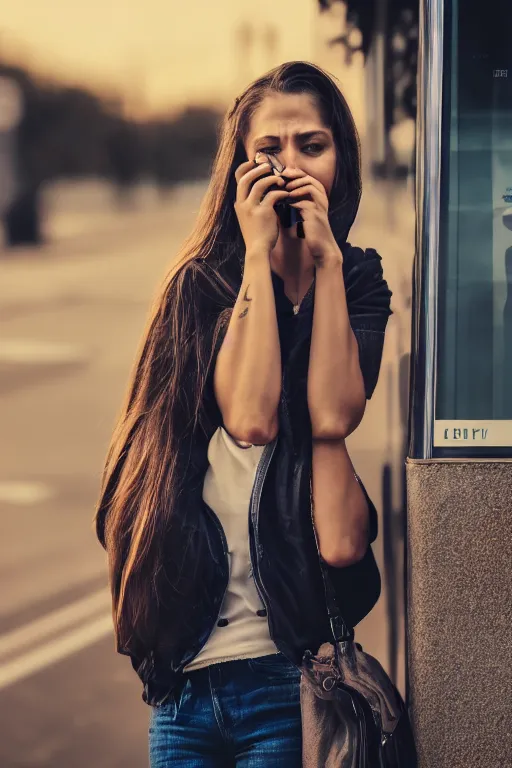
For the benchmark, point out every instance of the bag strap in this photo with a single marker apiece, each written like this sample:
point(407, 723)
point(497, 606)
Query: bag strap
point(340, 630)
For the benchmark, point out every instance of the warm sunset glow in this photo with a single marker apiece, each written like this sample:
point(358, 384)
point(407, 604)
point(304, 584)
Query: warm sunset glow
point(157, 52)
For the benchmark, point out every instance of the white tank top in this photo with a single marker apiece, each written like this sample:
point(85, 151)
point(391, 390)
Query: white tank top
point(241, 633)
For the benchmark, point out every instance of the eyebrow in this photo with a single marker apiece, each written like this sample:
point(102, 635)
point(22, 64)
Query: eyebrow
point(306, 135)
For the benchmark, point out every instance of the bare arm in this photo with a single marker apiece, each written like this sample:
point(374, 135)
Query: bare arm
point(247, 378)
point(336, 392)
point(341, 512)
point(336, 396)
point(336, 399)
point(345, 518)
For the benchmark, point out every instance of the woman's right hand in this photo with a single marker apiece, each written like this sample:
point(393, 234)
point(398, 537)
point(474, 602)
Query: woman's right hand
point(258, 220)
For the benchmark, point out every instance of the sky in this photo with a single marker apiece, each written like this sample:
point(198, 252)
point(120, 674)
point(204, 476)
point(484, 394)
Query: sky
point(161, 51)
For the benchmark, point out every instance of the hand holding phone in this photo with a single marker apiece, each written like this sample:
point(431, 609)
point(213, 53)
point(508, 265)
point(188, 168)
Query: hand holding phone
point(288, 216)
point(256, 197)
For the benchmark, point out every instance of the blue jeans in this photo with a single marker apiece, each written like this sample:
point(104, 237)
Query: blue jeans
point(238, 713)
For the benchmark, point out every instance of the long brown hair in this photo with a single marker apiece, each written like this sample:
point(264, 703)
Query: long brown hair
point(152, 561)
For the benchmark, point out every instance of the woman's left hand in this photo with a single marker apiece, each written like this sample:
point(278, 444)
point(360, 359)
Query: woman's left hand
point(314, 211)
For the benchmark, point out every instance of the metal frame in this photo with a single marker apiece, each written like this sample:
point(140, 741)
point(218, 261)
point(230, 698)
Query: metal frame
point(428, 191)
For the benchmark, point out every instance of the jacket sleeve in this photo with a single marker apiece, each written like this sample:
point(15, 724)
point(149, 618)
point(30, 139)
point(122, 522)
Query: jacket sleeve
point(368, 301)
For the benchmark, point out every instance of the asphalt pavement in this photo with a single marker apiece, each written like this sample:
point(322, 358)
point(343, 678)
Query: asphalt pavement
point(72, 314)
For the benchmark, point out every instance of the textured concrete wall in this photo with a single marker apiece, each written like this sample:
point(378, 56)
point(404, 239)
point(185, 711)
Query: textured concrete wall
point(459, 603)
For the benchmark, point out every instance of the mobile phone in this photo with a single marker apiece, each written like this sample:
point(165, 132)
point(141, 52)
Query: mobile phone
point(287, 215)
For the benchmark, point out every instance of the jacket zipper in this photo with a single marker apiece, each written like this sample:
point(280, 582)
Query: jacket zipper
point(311, 500)
point(254, 505)
point(219, 527)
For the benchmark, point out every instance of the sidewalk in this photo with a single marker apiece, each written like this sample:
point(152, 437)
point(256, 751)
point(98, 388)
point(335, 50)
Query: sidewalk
point(78, 240)
point(77, 208)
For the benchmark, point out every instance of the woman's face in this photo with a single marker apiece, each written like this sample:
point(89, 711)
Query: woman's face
point(289, 126)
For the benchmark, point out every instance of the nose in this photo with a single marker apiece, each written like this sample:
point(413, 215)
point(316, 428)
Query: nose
point(288, 171)
point(289, 166)
point(289, 156)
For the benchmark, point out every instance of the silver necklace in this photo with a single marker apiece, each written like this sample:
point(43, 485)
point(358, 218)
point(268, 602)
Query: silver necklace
point(297, 304)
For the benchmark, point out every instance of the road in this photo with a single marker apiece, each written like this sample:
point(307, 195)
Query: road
point(72, 314)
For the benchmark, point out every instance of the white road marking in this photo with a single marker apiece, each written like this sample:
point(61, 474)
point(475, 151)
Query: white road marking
point(35, 351)
point(55, 650)
point(24, 493)
point(61, 618)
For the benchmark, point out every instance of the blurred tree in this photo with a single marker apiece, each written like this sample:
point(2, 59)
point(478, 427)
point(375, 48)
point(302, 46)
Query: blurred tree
point(72, 132)
point(72, 127)
point(360, 14)
point(184, 148)
point(124, 150)
point(21, 218)
point(397, 21)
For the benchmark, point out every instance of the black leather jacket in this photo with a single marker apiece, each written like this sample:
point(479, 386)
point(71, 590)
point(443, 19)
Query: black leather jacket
point(283, 548)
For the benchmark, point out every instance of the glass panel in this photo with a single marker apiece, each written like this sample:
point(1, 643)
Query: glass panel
point(474, 362)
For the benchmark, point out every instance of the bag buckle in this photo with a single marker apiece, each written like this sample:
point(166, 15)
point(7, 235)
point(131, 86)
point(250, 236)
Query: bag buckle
point(328, 683)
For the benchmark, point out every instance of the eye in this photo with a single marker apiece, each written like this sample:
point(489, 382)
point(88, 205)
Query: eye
point(312, 148)
point(315, 148)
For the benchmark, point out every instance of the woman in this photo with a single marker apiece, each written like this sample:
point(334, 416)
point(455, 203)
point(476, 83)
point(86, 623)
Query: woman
point(228, 466)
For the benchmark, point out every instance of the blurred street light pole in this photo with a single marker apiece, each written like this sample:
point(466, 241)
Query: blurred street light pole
point(270, 45)
point(375, 71)
point(243, 47)
point(136, 96)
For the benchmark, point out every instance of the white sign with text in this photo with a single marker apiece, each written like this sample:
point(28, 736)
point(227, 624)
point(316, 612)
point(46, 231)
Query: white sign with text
point(467, 432)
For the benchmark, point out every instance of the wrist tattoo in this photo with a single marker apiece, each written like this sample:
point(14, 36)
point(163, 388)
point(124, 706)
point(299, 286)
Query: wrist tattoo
point(246, 310)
